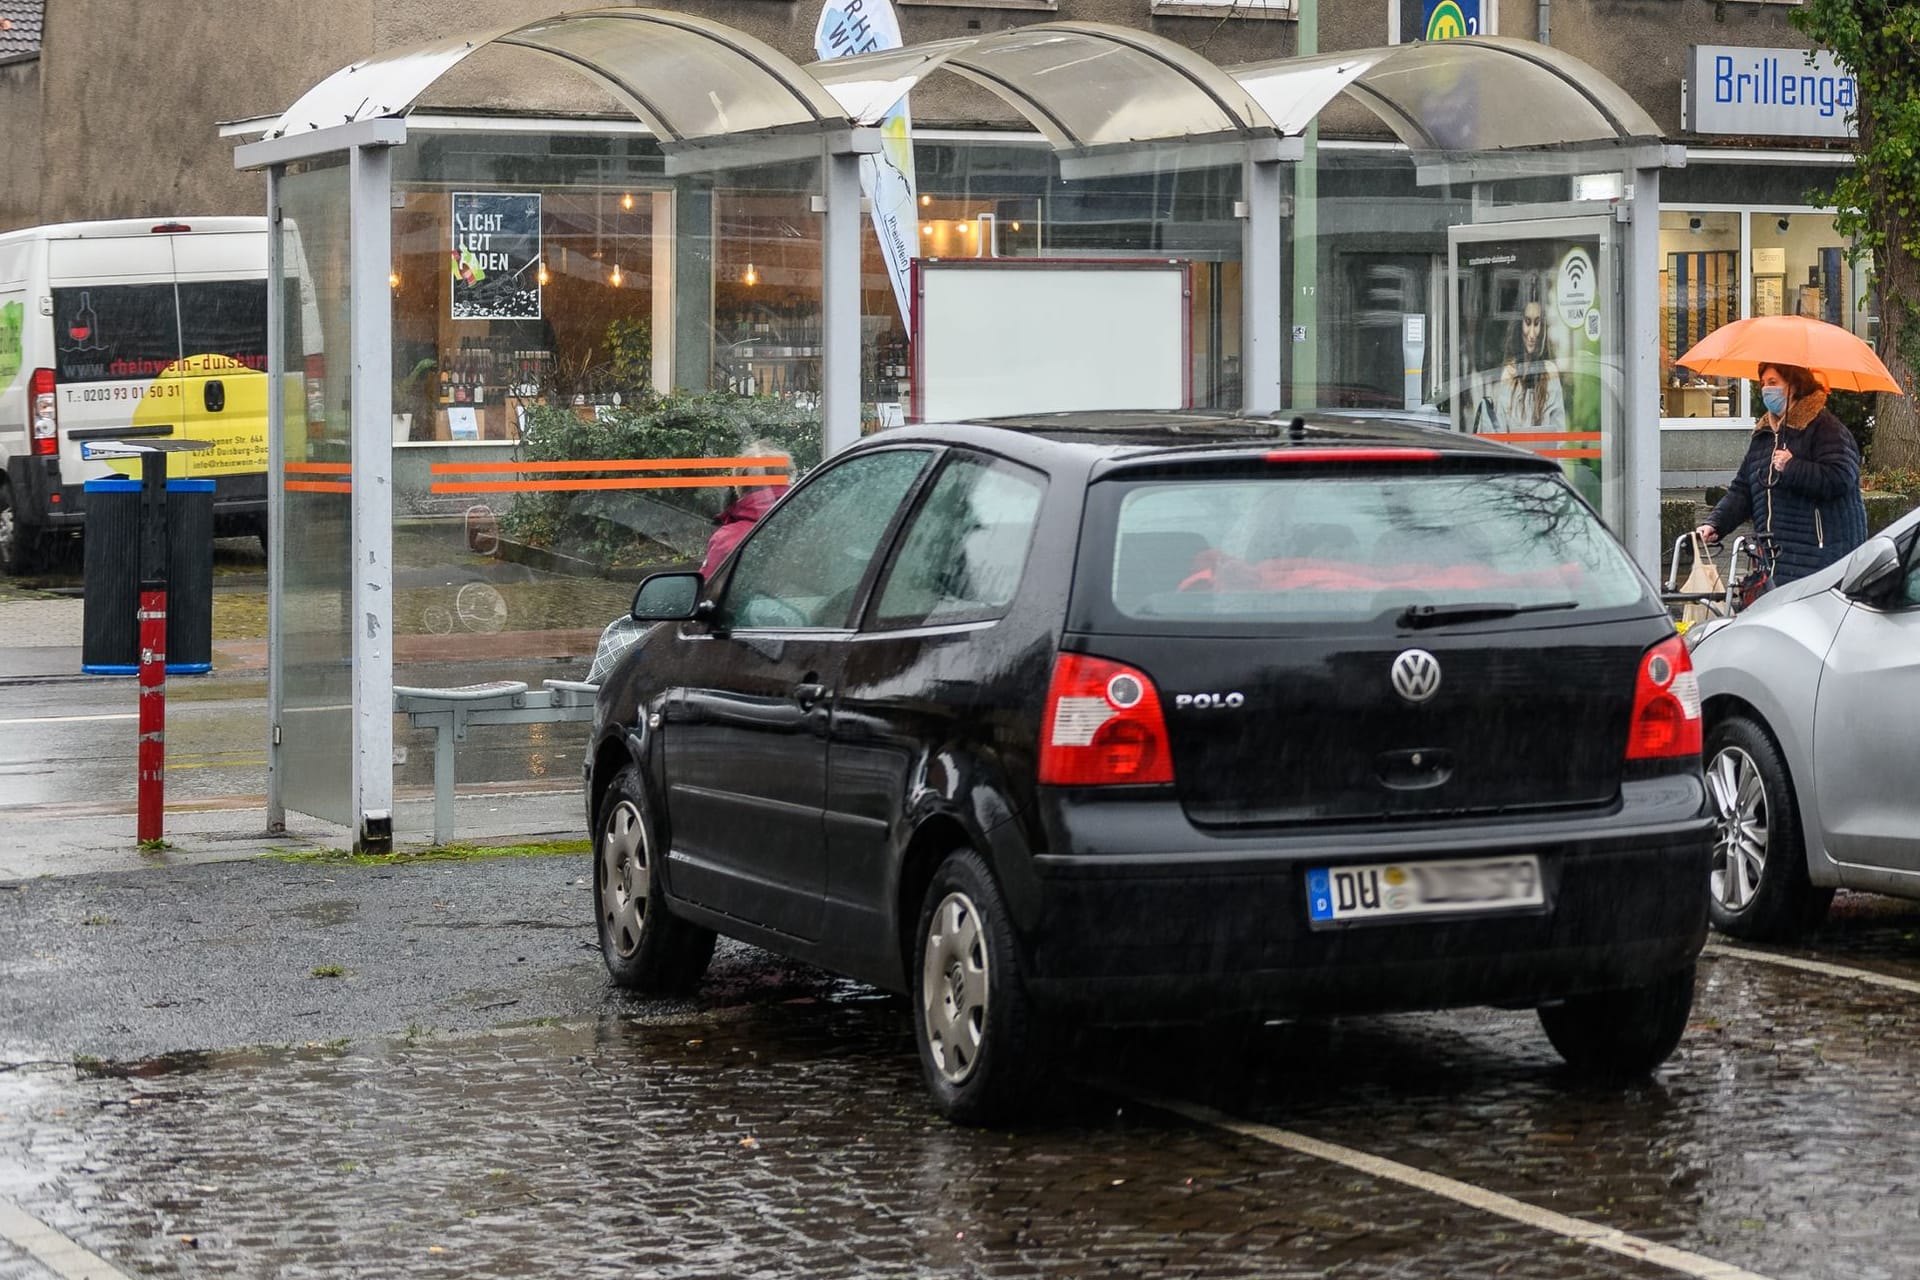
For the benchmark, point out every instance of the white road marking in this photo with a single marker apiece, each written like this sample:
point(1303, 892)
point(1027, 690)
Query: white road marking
point(1587, 1233)
point(115, 715)
point(1908, 985)
point(68, 1259)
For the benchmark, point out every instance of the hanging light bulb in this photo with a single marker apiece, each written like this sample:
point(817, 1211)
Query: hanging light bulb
point(616, 275)
point(926, 228)
point(626, 200)
point(543, 272)
point(393, 279)
point(925, 201)
point(749, 276)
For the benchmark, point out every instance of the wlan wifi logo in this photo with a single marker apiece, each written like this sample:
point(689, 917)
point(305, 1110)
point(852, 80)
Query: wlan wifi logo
point(1573, 292)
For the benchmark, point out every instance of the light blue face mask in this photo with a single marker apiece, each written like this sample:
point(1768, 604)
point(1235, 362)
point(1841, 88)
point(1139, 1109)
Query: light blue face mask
point(1775, 398)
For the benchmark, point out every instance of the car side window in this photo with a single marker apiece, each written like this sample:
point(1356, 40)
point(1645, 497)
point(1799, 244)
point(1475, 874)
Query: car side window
point(1908, 595)
point(965, 551)
point(803, 565)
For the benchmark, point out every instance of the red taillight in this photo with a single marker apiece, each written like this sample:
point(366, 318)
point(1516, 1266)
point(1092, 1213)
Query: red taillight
point(1666, 705)
point(1102, 725)
point(46, 414)
point(170, 228)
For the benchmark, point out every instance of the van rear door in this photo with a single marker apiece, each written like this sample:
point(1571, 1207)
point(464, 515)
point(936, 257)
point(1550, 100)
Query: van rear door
point(223, 341)
point(116, 339)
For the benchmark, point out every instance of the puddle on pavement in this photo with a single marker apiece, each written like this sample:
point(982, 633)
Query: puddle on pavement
point(789, 1134)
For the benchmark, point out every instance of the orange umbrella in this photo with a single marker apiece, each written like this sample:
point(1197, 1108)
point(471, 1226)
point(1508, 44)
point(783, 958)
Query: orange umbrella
point(1738, 350)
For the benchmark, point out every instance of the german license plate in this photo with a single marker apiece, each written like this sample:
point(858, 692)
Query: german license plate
point(1391, 890)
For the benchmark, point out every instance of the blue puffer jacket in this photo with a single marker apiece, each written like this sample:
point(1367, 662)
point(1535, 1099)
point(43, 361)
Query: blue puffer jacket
point(1812, 506)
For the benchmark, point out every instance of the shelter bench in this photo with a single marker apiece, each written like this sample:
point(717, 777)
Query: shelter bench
point(450, 711)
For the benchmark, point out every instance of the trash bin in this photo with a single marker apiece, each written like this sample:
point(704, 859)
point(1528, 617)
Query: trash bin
point(110, 626)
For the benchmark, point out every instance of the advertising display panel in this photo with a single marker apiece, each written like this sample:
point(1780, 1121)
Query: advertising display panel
point(1535, 352)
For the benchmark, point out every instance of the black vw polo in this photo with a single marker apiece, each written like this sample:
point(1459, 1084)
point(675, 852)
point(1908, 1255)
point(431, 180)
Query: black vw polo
point(1132, 718)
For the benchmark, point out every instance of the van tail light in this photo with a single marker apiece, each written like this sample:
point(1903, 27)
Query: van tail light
point(1666, 705)
point(1102, 726)
point(46, 414)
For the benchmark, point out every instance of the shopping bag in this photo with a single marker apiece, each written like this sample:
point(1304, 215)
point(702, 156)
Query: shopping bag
point(1703, 579)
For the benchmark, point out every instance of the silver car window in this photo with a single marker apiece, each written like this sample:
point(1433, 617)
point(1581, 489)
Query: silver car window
point(802, 566)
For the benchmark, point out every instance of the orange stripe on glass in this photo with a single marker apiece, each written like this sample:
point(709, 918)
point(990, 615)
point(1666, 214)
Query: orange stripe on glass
point(318, 486)
point(558, 486)
point(605, 464)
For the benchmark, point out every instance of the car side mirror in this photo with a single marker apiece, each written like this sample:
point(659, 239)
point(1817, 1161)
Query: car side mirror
point(667, 597)
point(1870, 568)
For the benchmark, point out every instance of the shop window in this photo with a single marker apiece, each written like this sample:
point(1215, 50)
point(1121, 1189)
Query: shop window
point(1699, 292)
point(1795, 264)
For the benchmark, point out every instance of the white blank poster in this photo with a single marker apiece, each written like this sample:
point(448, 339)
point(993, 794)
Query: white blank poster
point(1004, 338)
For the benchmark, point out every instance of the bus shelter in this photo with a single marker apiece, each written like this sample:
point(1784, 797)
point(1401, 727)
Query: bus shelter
point(449, 375)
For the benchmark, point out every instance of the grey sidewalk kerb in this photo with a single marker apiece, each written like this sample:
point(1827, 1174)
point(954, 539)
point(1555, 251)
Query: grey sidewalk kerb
point(85, 838)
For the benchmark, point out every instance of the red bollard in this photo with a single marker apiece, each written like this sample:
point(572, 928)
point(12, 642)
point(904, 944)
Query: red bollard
point(153, 715)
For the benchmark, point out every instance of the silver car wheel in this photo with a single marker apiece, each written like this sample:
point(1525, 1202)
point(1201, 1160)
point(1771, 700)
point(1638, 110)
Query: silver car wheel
point(1740, 844)
point(625, 878)
point(953, 987)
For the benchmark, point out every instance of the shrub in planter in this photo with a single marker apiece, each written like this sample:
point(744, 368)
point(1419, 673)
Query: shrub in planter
point(607, 525)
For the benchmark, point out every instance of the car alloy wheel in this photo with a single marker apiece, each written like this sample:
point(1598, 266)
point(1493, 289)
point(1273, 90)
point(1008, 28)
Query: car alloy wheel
point(954, 983)
point(1740, 842)
point(626, 878)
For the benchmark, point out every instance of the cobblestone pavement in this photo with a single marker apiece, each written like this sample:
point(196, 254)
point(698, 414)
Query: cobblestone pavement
point(775, 1126)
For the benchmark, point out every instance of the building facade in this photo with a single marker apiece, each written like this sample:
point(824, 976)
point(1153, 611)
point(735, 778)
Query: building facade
point(113, 111)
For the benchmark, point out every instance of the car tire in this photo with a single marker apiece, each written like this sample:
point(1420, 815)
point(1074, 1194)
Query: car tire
point(20, 544)
point(1760, 888)
point(646, 947)
point(1621, 1034)
point(981, 1051)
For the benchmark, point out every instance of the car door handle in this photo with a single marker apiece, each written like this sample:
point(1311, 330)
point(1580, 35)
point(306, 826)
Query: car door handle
point(807, 694)
point(215, 394)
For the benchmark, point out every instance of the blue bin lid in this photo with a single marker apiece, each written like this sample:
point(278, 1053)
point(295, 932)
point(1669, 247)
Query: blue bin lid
point(121, 484)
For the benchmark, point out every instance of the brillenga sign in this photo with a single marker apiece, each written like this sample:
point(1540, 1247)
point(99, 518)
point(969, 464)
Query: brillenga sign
point(1768, 92)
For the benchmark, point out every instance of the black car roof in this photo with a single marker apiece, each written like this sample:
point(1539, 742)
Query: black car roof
point(1117, 436)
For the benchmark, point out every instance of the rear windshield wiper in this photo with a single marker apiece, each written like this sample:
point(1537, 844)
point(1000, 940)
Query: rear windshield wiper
point(1435, 615)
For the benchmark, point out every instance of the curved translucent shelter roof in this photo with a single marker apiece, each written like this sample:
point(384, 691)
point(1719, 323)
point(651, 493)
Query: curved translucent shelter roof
point(687, 77)
point(1484, 93)
point(1082, 84)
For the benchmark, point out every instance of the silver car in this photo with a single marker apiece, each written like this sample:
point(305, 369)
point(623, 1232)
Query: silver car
point(1812, 703)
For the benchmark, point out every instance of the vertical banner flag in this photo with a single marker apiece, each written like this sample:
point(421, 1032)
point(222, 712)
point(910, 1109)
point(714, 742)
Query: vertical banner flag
point(864, 26)
point(496, 250)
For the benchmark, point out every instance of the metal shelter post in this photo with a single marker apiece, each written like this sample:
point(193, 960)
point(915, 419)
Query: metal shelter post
point(276, 494)
point(1641, 364)
point(371, 257)
point(840, 288)
point(1262, 296)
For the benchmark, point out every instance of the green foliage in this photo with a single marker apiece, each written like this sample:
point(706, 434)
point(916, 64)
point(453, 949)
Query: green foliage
point(1855, 411)
point(682, 425)
point(1879, 199)
point(629, 344)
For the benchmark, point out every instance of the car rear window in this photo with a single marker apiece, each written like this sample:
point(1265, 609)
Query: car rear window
point(1347, 548)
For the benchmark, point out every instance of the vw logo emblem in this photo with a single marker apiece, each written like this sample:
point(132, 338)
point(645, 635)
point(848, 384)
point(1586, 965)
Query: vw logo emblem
point(1416, 675)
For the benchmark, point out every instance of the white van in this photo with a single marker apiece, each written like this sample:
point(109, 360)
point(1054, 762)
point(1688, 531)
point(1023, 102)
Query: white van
point(136, 327)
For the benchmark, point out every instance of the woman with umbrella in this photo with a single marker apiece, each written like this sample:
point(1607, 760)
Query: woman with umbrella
point(1799, 482)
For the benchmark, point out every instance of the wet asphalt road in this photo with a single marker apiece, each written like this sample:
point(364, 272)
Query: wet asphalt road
point(467, 1097)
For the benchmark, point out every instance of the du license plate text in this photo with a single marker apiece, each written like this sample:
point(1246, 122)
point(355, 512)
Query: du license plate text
point(1387, 890)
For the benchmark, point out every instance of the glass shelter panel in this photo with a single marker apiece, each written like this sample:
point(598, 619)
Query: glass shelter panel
point(315, 645)
point(1419, 293)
